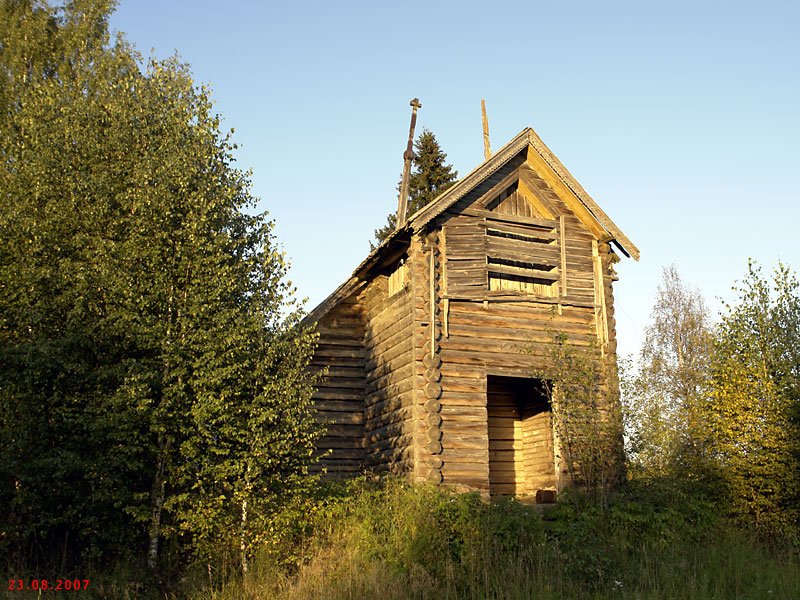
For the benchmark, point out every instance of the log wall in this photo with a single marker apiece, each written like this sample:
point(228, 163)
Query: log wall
point(389, 390)
point(508, 333)
point(339, 396)
point(410, 354)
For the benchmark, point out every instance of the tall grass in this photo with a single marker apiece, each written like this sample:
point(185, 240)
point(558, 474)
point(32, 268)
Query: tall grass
point(398, 541)
point(391, 540)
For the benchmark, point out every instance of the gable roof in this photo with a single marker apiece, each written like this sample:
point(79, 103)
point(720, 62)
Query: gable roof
point(526, 139)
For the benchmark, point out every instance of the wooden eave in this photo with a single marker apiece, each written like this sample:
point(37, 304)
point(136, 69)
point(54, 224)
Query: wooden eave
point(554, 173)
point(389, 250)
point(617, 236)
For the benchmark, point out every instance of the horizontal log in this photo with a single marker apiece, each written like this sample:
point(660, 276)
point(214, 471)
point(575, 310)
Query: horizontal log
point(523, 310)
point(469, 399)
point(464, 413)
point(387, 455)
point(339, 405)
point(400, 441)
point(326, 352)
point(389, 332)
point(383, 419)
point(390, 391)
point(384, 368)
point(345, 431)
point(329, 394)
point(397, 354)
point(400, 370)
point(388, 406)
point(318, 362)
point(481, 331)
point(341, 383)
point(339, 418)
point(345, 373)
point(340, 454)
point(464, 468)
point(348, 468)
point(334, 443)
point(392, 430)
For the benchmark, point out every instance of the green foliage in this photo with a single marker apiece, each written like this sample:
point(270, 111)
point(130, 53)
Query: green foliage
point(658, 539)
point(753, 413)
point(586, 414)
point(662, 397)
point(430, 177)
point(153, 381)
point(721, 407)
point(394, 540)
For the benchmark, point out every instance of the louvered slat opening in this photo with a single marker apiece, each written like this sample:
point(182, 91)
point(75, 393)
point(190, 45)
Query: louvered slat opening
point(523, 257)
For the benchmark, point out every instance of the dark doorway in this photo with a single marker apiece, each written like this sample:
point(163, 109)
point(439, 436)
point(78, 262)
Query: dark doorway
point(521, 458)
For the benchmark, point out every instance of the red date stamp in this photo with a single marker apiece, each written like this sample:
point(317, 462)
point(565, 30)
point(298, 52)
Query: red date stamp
point(46, 585)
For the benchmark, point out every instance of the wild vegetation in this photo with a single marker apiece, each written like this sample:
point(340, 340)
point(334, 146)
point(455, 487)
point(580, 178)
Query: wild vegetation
point(155, 415)
point(719, 405)
point(153, 388)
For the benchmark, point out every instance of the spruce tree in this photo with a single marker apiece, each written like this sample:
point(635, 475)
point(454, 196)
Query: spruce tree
point(430, 176)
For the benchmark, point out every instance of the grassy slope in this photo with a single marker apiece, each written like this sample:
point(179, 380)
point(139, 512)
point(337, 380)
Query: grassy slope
point(393, 541)
point(399, 541)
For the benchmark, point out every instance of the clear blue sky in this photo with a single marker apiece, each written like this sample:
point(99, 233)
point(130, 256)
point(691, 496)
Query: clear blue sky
point(680, 119)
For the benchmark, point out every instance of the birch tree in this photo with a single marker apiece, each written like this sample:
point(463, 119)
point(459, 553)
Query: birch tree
point(153, 381)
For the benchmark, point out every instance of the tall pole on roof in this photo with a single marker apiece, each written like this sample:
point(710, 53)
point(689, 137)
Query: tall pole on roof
point(487, 151)
point(408, 155)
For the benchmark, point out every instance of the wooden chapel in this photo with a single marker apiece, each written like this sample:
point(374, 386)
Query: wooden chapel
point(431, 344)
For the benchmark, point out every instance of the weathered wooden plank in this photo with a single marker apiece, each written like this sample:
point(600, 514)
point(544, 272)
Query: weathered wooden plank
point(526, 251)
point(523, 272)
point(511, 219)
point(522, 230)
